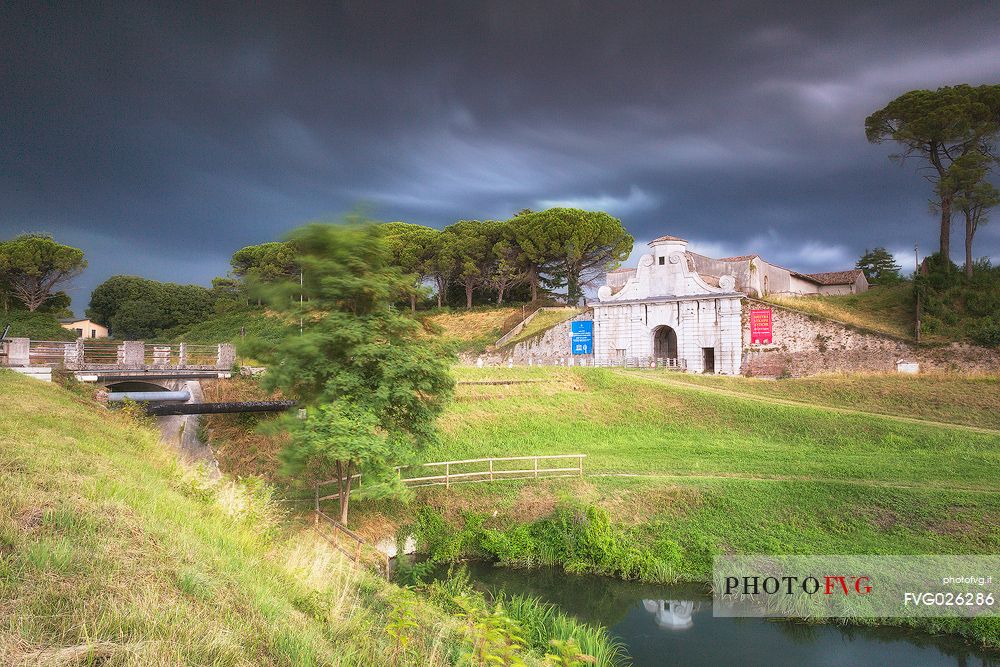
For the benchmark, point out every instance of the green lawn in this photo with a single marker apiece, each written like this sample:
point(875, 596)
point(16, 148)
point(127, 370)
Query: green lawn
point(957, 399)
point(626, 423)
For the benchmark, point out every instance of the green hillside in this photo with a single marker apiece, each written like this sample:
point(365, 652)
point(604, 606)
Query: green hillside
point(887, 309)
point(227, 328)
point(113, 553)
point(37, 326)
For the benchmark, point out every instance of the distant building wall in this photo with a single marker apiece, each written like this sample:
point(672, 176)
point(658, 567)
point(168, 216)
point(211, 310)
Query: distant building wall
point(86, 328)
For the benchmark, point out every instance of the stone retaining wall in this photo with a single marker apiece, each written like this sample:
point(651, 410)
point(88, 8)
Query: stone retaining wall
point(807, 344)
point(548, 348)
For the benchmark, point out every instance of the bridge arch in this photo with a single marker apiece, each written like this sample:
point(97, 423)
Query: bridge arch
point(137, 385)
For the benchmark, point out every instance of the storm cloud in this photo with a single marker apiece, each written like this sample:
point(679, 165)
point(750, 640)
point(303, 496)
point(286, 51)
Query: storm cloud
point(162, 137)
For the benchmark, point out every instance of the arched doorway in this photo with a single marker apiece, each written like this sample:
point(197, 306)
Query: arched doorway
point(664, 343)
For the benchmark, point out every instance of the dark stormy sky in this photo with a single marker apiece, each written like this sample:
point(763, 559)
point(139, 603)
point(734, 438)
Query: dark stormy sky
point(160, 138)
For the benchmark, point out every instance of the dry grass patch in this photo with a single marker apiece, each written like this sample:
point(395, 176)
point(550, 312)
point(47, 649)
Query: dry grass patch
point(635, 505)
point(240, 447)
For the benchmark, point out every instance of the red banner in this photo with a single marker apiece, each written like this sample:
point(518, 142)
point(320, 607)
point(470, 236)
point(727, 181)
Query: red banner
point(760, 326)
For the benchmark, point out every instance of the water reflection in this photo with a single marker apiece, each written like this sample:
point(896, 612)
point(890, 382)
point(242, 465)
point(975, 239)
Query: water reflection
point(671, 614)
point(674, 625)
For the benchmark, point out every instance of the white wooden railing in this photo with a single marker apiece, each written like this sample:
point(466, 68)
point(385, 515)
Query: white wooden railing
point(89, 354)
point(486, 470)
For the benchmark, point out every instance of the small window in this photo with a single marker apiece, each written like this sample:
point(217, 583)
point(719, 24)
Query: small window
point(79, 333)
point(663, 260)
point(93, 333)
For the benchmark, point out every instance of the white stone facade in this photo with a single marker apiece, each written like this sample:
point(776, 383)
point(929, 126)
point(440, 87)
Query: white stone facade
point(664, 312)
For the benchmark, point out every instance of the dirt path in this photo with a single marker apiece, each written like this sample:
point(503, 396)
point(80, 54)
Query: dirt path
point(818, 406)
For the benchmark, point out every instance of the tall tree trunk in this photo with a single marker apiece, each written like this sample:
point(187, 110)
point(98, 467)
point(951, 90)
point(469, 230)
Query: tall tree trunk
point(413, 303)
point(946, 229)
point(500, 295)
point(970, 231)
point(533, 277)
point(344, 490)
point(442, 285)
point(468, 295)
point(572, 287)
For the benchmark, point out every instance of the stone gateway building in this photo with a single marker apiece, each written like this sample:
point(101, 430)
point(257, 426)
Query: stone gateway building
point(664, 312)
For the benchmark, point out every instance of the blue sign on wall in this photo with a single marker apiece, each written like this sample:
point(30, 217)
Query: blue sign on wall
point(582, 337)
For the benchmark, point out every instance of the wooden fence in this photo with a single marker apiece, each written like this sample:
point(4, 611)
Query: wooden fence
point(455, 472)
point(347, 541)
point(483, 470)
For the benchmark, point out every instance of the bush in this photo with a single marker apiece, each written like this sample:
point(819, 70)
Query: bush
point(581, 539)
point(983, 302)
point(988, 333)
point(37, 326)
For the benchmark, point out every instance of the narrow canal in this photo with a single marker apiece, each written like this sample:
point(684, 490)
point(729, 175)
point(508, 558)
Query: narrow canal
point(673, 625)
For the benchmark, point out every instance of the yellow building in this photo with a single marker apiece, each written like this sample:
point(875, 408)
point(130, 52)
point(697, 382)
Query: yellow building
point(85, 328)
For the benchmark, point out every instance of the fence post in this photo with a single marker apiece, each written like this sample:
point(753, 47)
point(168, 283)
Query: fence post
point(581, 465)
point(491, 470)
point(226, 356)
point(447, 475)
point(182, 355)
point(536, 467)
point(316, 513)
point(19, 352)
point(133, 354)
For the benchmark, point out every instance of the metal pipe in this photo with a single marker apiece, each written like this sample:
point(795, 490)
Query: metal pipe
point(161, 410)
point(145, 396)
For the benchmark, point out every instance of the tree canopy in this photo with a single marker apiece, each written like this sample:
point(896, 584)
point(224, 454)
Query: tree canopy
point(372, 384)
point(572, 245)
point(973, 196)
point(266, 262)
point(136, 308)
point(469, 244)
point(34, 266)
point(879, 267)
point(413, 248)
point(940, 127)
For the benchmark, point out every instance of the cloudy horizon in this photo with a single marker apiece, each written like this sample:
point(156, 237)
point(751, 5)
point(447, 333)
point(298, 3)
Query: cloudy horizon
point(160, 138)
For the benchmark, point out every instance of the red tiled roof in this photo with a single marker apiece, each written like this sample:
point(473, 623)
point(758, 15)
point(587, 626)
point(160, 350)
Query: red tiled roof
point(834, 277)
point(666, 238)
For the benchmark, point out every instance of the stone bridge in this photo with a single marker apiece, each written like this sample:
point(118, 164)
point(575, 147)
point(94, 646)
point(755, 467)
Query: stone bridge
point(108, 362)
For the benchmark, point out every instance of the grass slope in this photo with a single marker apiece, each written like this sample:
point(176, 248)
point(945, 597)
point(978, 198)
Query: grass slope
point(226, 328)
point(628, 424)
point(110, 553)
point(956, 399)
point(886, 309)
point(468, 330)
point(544, 320)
